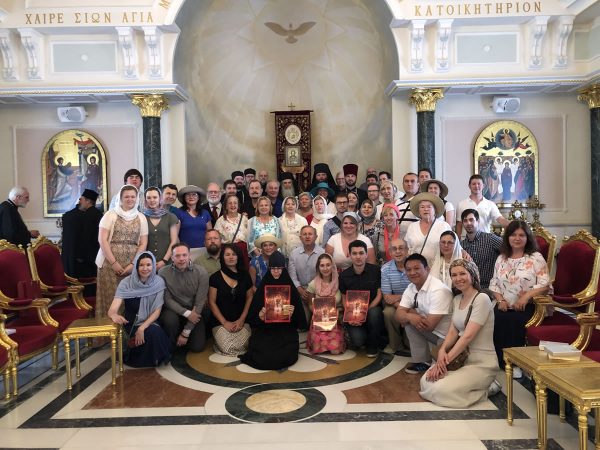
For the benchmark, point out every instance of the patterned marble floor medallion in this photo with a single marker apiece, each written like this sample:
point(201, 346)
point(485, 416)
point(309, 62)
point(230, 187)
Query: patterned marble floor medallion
point(265, 403)
point(309, 371)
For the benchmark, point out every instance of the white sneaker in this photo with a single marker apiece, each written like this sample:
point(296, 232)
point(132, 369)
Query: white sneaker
point(494, 388)
point(517, 372)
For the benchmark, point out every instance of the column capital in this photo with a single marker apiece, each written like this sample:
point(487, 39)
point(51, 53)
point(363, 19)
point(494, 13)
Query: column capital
point(151, 105)
point(591, 95)
point(425, 99)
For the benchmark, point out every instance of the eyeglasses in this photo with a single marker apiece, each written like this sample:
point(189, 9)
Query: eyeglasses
point(416, 301)
point(277, 268)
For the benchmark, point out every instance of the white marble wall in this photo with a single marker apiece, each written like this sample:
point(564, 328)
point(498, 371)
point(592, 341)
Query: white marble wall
point(236, 70)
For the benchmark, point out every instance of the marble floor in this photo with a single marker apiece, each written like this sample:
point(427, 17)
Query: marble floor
point(207, 401)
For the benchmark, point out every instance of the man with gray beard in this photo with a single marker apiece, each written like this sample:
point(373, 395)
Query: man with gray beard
point(287, 185)
point(213, 204)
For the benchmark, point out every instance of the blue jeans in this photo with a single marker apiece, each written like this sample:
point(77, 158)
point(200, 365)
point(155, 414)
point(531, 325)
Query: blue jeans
point(371, 333)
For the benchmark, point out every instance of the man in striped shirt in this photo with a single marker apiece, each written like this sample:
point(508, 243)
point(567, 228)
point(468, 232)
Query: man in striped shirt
point(393, 283)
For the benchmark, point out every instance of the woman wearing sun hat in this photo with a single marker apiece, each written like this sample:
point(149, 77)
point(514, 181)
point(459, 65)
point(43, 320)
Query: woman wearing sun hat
point(440, 189)
point(194, 220)
point(423, 236)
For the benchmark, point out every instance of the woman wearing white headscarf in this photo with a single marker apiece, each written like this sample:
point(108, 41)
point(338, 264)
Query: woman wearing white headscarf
point(450, 250)
point(142, 292)
point(290, 223)
point(320, 216)
point(123, 234)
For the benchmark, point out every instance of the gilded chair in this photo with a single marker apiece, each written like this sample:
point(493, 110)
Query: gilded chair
point(36, 330)
point(575, 291)
point(8, 358)
point(46, 267)
point(547, 245)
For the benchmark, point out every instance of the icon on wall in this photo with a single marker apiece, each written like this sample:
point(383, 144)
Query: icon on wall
point(506, 156)
point(72, 161)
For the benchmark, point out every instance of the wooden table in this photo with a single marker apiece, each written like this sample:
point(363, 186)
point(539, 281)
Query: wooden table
point(531, 360)
point(580, 386)
point(91, 328)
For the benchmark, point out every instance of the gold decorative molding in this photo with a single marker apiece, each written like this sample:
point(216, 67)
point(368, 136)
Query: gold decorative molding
point(151, 105)
point(425, 99)
point(591, 95)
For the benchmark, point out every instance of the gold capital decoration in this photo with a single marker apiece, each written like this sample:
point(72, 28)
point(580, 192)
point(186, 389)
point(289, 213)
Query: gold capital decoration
point(151, 105)
point(591, 95)
point(425, 99)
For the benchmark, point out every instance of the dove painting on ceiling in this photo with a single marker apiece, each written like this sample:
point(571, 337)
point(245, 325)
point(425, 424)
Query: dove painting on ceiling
point(290, 33)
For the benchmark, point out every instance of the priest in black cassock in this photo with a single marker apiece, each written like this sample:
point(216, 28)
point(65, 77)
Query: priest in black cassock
point(80, 237)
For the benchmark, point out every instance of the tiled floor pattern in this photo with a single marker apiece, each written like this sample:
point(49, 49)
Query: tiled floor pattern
point(348, 402)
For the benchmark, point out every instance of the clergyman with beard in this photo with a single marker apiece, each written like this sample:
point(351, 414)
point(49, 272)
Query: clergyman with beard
point(350, 173)
point(210, 254)
point(240, 179)
point(255, 190)
point(213, 204)
point(287, 185)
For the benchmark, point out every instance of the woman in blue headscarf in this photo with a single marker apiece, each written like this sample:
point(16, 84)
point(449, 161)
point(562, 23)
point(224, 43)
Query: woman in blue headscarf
point(142, 294)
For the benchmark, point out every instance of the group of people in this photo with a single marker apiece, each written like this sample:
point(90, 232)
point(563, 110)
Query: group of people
point(182, 273)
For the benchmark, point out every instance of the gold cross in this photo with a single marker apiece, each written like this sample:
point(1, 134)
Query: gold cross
point(291, 106)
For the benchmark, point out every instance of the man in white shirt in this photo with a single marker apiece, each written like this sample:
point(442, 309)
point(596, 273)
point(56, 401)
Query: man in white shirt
point(488, 211)
point(424, 311)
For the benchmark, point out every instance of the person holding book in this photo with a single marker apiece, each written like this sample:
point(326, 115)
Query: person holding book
point(326, 285)
point(229, 298)
point(142, 294)
point(520, 274)
point(472, 329)
point(274, 345)
point(365, 277)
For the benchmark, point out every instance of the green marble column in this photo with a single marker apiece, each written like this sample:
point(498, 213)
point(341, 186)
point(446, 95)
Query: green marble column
point(151, 106)
point(592, 96)
point(425, 101)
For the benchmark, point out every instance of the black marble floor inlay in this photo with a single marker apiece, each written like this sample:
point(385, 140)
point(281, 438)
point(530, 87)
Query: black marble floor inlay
point(236, 405)
point(519, 444)
point(180, 364)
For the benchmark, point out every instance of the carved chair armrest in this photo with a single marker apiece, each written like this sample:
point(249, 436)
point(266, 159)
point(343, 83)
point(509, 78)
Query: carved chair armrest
point(542, 304)
point(587, 324)
point(40, 304)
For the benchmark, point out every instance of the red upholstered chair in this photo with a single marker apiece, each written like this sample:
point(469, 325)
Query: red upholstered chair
point(36, 330)
point(47, 267)
point(547, 245)
point(8, 359)
point(15, 260)
point(575, 284)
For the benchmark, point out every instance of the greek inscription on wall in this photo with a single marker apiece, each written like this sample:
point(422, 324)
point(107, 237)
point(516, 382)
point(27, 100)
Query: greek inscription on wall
point(449, 9)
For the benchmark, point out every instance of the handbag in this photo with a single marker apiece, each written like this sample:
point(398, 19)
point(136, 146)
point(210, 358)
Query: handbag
point(462, 357)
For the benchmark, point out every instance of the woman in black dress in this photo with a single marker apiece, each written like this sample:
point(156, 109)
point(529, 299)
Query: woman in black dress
point(142, 292)
point(274, 346)
point(229, 298)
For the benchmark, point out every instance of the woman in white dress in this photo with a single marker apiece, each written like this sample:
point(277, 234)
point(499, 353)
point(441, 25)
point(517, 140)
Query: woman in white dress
point(320, 216)
point(423, 236)
point(472, 327)
point(290, 223)
point(441, 190)
point(337, 246)
point(450, 250)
